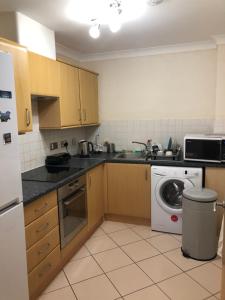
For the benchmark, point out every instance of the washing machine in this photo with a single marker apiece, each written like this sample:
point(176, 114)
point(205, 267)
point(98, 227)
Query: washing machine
point(167, 185)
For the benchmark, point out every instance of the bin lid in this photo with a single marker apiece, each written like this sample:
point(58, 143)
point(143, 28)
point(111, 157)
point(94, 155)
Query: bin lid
point(200, 194)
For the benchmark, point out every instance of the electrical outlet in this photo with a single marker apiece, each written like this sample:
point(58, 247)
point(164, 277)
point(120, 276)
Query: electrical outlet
point(63, 143)
point(74, 141)
point(53, 146)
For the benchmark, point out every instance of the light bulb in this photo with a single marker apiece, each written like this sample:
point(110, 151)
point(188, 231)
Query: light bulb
point(115, 26)
point(94, 31)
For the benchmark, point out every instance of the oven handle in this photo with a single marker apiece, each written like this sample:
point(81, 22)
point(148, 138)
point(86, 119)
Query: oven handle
point(68, 202)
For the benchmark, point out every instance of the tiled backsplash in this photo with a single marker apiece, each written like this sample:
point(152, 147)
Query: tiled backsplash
point(34, 146)
point(123, 132)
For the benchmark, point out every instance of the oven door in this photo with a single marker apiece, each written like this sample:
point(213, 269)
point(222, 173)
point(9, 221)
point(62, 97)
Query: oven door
point(203, 150)
point(72, 215)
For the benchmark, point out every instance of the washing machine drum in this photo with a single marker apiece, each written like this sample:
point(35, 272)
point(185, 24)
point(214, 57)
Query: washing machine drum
point(169, 193)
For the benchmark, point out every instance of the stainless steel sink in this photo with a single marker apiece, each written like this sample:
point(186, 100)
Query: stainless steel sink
point(131, 155)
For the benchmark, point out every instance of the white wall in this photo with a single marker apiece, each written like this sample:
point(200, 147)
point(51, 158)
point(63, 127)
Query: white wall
point(167, 86)
point(27, 32)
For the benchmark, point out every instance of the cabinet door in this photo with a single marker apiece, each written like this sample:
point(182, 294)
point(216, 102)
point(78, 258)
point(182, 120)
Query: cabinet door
point(45, 75)
point(89, 97)
point(22, 85)
point(95, 195)
point(214, 179)
point(128, 189)
point(69, 101)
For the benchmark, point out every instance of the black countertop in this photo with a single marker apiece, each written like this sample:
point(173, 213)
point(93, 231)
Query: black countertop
point(34, 189)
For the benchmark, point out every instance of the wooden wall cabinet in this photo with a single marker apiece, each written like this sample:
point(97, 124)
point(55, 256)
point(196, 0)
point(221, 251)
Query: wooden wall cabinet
point(128, 191)
point(42, 240)
point(64, 111)
point(22, 84)
point(44, 75)
point(88, 97)
point(95, 196)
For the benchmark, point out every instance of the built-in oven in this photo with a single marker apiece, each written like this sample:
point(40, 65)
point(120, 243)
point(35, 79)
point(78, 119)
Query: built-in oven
point(72, 202)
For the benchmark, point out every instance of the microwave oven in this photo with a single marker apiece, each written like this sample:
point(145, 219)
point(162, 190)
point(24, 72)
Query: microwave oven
point(205, 148)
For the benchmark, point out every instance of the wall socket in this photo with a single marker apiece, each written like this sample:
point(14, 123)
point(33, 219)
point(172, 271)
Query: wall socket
point(63, 143)
point(53, 146)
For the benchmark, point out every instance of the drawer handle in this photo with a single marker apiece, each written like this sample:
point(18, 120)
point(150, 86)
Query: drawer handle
point(39, 210)
point(45, 269)
point(42, 227)
point(44, 249)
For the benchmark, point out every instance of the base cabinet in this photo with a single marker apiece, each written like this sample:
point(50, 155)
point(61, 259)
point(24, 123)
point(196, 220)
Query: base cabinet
point(42, 239)
point(128, 190)
point(95, 196)
point(214, 179)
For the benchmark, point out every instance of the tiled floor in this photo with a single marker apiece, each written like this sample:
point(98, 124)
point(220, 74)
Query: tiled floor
point(130, 262)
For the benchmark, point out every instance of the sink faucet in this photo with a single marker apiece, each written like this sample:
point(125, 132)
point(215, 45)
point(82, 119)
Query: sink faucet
point(147, 150)
point(146, 147)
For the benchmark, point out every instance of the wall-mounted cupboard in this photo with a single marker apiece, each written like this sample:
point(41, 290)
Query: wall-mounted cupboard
point(71, 93)
point(22, 83)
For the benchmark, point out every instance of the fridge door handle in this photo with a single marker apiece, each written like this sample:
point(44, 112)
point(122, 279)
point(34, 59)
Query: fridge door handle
point(9, 206)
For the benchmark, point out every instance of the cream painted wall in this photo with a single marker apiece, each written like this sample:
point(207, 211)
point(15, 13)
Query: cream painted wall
point(27, 32)
point(167, 86)
point(220, 86)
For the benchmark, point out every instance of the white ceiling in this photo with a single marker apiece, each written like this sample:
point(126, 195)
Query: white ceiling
point(172, 22)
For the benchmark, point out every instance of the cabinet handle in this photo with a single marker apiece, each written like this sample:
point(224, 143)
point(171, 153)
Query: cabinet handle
point(44, 249)
point(42, 227)
point(89, 180)
point(41, 209)
point(27, 117)
point(146, 174)
point(85, 114)
point(79, 114)
point(45, 269)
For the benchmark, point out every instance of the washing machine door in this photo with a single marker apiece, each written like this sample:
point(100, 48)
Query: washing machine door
point(169, 193)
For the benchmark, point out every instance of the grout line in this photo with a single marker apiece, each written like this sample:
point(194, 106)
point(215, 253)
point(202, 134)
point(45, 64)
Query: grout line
point(69, 284)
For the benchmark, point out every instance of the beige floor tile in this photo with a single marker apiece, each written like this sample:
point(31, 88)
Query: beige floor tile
point(64, 293)
point(140, 250)
point(182, 262)
point(98, 232)
point(99, 244)
point(124, 237)
point(164, 242)
point(159, 268)
point(81, 269)
point(152, 292)
point(208, 275)
point(145, 231)
point(59, 282)
point(218, 296)
point(83, 252)
point(129, 279)
point(217, 261)
point(109, 226)
point(212, 298)
point(99, 288)
point(182, 287)
point(177, 237)
point(112, 259)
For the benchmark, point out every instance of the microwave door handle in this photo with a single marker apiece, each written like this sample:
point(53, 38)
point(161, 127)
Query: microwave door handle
point(68, 202)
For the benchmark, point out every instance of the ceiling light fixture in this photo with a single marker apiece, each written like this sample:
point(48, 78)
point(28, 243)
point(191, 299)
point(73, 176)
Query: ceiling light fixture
point(106, 12)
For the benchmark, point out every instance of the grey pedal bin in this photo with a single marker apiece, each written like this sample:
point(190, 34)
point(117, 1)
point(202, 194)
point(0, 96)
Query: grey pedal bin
point(199, 239)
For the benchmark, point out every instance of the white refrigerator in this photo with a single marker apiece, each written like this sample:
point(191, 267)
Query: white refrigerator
point(13, 266)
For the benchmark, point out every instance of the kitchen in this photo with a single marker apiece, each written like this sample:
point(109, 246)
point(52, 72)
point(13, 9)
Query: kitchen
point(160, 76)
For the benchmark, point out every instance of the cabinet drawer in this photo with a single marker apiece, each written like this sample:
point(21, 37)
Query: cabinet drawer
point(42, 248)
point(41, 273)
point(40, 227)
point(39, 207)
